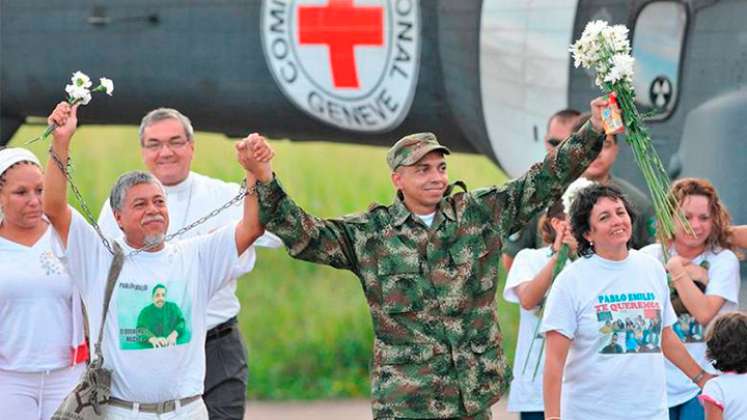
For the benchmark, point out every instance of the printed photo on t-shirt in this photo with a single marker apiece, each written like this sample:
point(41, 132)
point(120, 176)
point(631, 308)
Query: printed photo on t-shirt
point(688, 329)
point(629, 323)
point(152, 317)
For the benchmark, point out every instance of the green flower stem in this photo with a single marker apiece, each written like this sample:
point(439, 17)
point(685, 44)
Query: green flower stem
point(644, 153)
point(563, 254)
point(539, 359)
point(51, 127)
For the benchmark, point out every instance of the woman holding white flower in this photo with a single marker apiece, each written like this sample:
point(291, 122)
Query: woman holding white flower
point(608, 322)
point(79, 93)
point(704, 273)
point(527, 284)
point(41, 324)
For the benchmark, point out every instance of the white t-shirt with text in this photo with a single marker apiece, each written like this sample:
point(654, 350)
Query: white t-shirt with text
point(614, 313)
point(188, 201)
point(723, 281)
point(157, 294)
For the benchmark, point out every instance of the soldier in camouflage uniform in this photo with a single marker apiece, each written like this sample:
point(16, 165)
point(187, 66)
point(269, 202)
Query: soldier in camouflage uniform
point(428, 264)
point(559, 126)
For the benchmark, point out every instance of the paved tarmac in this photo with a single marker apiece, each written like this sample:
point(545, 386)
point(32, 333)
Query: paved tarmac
point(331, 410)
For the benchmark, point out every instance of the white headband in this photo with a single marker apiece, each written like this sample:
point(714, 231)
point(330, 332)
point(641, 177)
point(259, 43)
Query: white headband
point(13, 155)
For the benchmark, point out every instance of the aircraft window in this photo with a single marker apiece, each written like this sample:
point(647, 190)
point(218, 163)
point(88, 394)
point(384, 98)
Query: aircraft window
point(657, 46)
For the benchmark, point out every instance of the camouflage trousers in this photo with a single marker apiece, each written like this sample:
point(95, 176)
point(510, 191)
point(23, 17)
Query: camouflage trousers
point(483, 415)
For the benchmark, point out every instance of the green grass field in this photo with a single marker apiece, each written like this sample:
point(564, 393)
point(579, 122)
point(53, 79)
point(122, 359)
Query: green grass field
point(307, 327)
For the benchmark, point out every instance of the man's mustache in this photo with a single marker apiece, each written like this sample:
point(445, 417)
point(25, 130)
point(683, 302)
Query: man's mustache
point(149, 219)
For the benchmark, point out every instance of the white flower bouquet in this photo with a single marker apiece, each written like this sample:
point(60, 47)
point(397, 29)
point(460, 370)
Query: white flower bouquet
point(79, 92)
point(605, 50)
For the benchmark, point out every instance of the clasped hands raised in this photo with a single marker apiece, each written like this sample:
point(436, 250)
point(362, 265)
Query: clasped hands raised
point(254, 154)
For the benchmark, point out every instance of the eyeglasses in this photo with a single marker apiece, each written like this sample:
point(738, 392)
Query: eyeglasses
point(175, 144)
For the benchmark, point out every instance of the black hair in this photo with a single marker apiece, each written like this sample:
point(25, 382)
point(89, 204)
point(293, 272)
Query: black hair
point(580, 213)
point(564, 115)
point(156, 287)
point(726, 342)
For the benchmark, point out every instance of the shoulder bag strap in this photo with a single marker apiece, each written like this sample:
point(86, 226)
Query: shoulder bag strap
point(111, 280)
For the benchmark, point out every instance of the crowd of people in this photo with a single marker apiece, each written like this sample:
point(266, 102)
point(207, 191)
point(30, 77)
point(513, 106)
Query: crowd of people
point(615, 303)
point(629, 329)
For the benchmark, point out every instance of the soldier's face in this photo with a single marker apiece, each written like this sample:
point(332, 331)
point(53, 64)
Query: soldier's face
point(602, 165)
point(424, 183)
point(557, 131)
point(167, 152)
point(610, 226)
point(144, 217)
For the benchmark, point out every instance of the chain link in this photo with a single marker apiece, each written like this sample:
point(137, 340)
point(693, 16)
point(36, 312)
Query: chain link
point(64, 168)
point(243, 192)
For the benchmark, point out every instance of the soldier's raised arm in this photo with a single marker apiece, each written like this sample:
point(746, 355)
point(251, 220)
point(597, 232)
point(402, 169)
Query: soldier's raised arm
point(307, 237)
point(249, 227)
point(513, 204)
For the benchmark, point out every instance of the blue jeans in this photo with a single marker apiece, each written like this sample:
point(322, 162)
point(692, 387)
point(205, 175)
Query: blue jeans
point(689, 410)
point(532, 415)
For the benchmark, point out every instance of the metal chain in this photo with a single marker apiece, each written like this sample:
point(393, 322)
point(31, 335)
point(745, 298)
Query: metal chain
point(63, 167)
point(243, 192)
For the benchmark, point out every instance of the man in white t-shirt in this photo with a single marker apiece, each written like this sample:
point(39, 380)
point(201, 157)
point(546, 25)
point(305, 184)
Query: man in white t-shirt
point(147, 381)
point(167, 147)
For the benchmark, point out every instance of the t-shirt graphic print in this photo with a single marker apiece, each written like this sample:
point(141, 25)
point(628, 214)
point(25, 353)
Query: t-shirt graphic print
point(628, 323)
point(153, 316)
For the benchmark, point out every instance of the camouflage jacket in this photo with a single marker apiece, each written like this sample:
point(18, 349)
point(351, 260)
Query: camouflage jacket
point(431, 291)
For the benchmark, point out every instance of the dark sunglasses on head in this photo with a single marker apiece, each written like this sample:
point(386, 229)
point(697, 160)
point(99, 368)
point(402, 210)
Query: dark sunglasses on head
point(554, 142)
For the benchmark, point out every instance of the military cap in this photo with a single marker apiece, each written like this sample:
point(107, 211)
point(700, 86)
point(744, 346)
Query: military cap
point(410, 149)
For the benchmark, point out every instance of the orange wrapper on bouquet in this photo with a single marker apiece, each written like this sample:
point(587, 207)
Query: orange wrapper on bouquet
point(612, 116)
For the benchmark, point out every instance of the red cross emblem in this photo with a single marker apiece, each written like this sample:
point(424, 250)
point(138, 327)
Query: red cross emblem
point(352, 64)
point(341, 26)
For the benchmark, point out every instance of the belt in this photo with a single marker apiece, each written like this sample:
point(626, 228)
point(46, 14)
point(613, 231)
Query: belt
point(158, 408)
point(221, 330)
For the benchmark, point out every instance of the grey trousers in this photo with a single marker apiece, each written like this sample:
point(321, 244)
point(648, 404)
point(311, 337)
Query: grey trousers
point(226, 375)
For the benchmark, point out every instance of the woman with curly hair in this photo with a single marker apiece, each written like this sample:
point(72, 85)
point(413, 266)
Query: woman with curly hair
point(704, 277)
point(593, 303)
point(724, 396)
